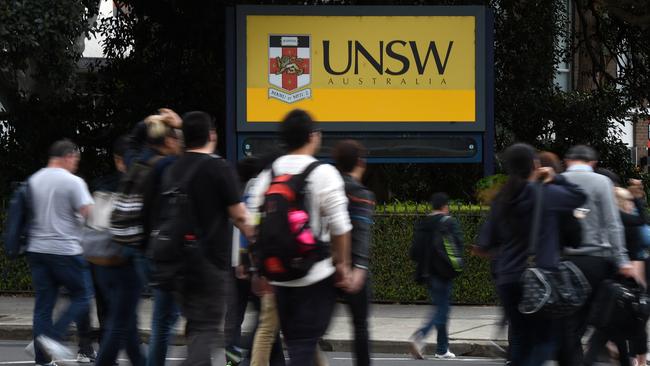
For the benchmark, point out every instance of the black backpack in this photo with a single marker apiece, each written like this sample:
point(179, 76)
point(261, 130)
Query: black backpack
point(127, 218)
point(175, 241)
point(286, 246)
point(432, 250)
point(17, 220)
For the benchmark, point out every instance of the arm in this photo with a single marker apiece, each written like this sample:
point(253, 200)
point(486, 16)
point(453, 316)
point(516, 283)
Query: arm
point(562, 195)
point(361, 208)
point(612, 218)
point(239, 216)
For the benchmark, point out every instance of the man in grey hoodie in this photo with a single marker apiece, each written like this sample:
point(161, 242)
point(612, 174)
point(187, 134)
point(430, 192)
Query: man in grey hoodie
point(602, 252)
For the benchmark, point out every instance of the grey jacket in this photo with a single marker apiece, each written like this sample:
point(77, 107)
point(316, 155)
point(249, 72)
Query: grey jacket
point(602, 230)
point(361, 206)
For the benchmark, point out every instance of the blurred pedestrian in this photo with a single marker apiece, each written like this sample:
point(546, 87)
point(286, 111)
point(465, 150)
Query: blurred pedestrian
point(437, 250)
point(350, 159)
point(508, 231)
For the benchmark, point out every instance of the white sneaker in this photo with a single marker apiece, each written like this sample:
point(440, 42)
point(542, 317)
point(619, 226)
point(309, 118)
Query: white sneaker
point(446, 355)
point(55, 349)
point(30, 349)
point(84, 358)
point(417, 346)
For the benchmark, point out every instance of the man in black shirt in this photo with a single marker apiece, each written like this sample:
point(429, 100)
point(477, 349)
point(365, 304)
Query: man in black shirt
point(214, 196)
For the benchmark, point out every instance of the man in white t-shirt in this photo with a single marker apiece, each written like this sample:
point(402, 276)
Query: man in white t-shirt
point(305, 305)
point(60, 202)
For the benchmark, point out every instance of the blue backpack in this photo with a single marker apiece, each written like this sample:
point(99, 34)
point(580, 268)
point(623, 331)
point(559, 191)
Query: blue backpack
point(18, 215)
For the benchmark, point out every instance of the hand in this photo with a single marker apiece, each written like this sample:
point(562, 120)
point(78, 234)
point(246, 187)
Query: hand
point(261, 286)
point(240, 272)
point(478, 251)
point(357, 280)
point(636, 188)
point(342, 276)
point(171, 117)
point(627, 270)
point(545, 174)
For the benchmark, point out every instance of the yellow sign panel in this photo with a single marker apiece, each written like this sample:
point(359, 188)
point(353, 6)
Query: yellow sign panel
point(361, 68)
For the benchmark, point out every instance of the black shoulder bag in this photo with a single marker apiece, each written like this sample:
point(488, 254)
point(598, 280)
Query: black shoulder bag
point(552, 294)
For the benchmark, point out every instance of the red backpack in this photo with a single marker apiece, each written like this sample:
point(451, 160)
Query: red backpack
point(286, 246)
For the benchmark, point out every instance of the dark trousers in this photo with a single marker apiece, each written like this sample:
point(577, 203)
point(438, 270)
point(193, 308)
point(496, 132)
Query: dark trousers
point(532, 340)
point(359, 305)
point(596, 270)
point(84, 327)
point(597, 344)
point(203, 300)
point(49, 272)
point(122, 286)
point(236, 311)
point(305, 314)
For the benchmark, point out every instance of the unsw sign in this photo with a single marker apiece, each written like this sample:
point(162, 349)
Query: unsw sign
point(289, 67)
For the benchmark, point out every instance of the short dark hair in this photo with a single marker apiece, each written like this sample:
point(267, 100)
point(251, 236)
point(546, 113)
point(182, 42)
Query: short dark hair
point(63, 148)
point(196, 129)
point(296, 129)
point(439, 200)
point(582, 153)
point(346, 155)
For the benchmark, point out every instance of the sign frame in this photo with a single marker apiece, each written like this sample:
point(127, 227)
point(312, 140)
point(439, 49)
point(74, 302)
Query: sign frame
point(482, 68)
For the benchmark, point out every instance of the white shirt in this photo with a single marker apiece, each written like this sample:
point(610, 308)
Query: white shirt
point(325, 200)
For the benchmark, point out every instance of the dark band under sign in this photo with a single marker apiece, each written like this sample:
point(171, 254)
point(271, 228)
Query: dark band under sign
point(289, 41)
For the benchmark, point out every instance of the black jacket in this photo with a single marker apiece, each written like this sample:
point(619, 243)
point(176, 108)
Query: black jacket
point(361, 206)
point(422, 250)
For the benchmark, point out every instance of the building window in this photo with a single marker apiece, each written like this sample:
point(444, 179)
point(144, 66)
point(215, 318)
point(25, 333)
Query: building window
point(563, 68)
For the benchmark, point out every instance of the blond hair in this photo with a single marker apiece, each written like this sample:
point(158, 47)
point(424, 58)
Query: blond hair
point(158, 127)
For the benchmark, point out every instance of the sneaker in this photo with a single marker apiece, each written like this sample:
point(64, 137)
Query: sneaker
point(86, 358)
point(30, 349)
point(234, 356)
point(446, 355)
point(417, 346)
point(55, 349)
point(48, 364)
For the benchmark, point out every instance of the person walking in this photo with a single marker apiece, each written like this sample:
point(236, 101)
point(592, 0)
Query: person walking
point(59, 199)
point(507, 233)
point(602, 252)
point(213, 193)
point(349, 157)
point(118, 280)
point(305, 304)
point(436, 270)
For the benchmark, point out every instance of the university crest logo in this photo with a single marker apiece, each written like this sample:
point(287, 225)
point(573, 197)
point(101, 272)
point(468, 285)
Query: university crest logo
point(289, 67)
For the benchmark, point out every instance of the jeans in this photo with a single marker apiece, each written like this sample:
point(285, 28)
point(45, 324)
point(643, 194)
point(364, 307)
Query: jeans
point(267, 347)
point(165, 315)
point(49, 272)
point(236, 310)
point(440, 293)
point(204, 299)
point(532, 337)
point(84, 328)
point(305, 314)
point(122, 287)
point(359, 306)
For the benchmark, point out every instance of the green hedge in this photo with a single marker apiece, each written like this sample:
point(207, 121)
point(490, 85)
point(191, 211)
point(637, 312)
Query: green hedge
point(392, 270)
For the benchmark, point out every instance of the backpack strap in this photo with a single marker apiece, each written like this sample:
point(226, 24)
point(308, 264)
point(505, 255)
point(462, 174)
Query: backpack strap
point(302, 177)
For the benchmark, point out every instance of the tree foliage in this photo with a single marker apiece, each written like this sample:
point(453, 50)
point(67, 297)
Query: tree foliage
point(171, 53)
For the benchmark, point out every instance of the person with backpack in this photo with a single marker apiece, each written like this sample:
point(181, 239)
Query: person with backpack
point(191, 242)
point(302, 245)
point(437, 250)
point(136, 212)
point(58, 199)
point(349, 157)
point(507, 232)
point(116, 274)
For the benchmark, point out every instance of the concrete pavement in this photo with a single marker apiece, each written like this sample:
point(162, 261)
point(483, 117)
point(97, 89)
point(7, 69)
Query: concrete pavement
point(473, 330)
